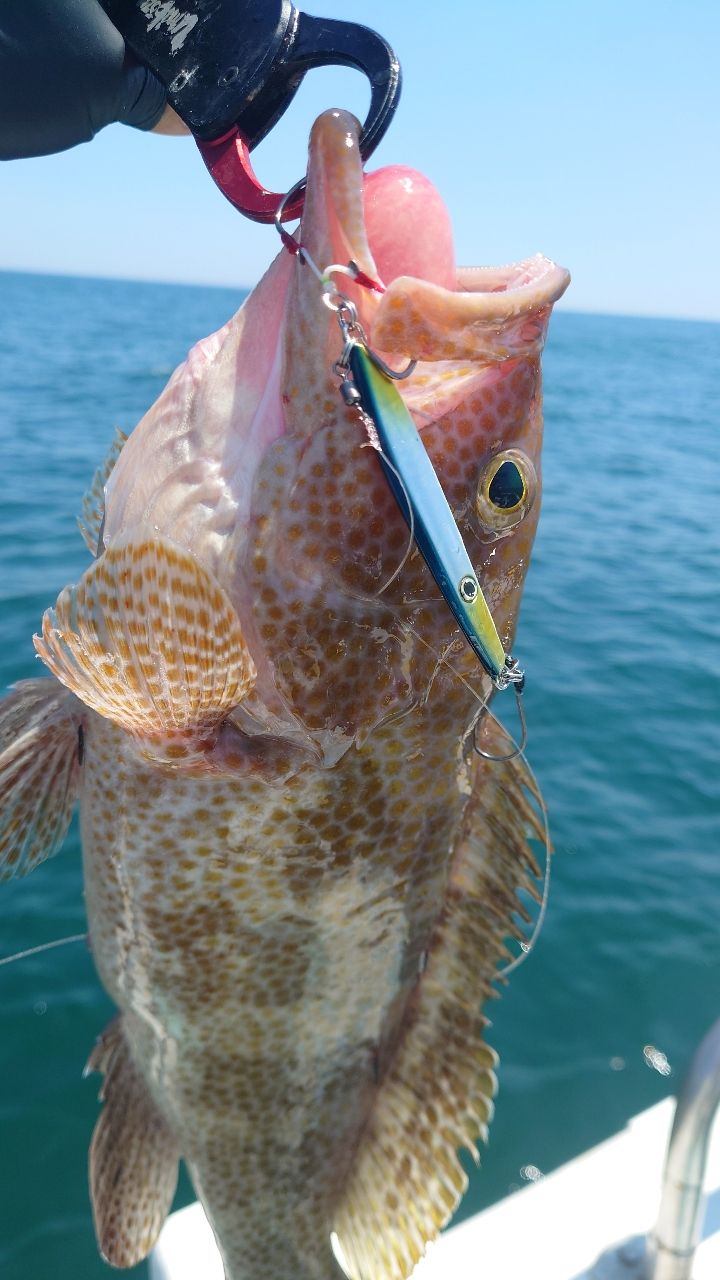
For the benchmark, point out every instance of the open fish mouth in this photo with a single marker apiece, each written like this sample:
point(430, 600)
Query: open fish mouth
point(336, 537)
point(395, 233)
point(395, 226)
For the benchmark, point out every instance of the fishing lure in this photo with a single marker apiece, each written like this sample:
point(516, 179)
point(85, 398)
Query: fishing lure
point(370, 384)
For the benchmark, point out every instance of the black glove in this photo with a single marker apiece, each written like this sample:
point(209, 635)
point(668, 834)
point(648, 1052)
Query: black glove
point(64, 74)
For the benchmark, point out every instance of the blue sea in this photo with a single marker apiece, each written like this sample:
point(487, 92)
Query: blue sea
point(620, 636)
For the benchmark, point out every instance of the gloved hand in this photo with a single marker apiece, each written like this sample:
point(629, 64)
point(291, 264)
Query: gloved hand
point(65, 73)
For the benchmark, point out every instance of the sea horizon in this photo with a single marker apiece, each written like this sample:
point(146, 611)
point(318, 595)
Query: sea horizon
point(561, 306)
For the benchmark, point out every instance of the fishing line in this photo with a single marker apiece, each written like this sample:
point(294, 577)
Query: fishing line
point(518, 753)
point(517, 748)
point(44, 946)
point(442, 661)
point(374, 443)
point(529, 945)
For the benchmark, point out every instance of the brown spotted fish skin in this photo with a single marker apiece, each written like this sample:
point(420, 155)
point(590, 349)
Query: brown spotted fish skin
point(299, 877)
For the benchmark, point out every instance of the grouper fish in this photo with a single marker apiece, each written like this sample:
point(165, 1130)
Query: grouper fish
point(300, 876)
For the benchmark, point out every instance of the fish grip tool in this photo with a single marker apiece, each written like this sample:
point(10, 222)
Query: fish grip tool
point(231, 68)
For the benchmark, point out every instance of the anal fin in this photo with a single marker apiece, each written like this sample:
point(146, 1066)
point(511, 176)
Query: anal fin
point(40, 758)
point(437, 1093)
point(133, 1156)
point(149, 639)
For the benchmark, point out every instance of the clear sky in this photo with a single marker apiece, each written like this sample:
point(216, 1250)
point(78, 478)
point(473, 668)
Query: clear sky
point(587, 130)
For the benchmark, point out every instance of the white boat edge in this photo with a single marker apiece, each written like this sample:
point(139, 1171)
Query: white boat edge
point(585, 1221)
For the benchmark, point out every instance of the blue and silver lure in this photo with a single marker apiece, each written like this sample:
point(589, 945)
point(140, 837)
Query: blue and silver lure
point(420, 497)
point(369, 384)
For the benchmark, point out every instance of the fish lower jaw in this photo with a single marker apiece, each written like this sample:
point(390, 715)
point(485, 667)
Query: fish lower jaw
point(492, 315)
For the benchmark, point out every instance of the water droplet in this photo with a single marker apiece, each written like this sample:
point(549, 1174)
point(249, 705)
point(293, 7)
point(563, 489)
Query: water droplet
point(656, 1059)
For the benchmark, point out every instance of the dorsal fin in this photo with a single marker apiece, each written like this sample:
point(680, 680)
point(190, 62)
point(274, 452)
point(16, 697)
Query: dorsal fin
point(90, 520)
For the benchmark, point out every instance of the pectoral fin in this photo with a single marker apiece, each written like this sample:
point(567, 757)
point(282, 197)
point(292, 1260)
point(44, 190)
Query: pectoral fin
point(133, 1157)
point(40, 757)
point(149, 639)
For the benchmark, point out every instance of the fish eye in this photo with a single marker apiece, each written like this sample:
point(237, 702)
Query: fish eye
point(506, 491)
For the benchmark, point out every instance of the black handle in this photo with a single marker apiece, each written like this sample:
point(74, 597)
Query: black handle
point(240, 62)
point(322, 42)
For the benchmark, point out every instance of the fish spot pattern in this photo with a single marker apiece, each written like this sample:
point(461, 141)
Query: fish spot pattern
point(347, 648)
point(283, 897)
point(254, 908)
point(437, 1097)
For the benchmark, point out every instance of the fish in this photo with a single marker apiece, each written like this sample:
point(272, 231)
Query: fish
point(300, 877)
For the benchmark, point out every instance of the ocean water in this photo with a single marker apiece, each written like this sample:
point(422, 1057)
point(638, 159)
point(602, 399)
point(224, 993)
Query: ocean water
point(619, 634)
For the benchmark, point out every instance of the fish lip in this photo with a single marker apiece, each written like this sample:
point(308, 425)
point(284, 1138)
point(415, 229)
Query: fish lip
point(491, 313)
point(500, 292)
point(332, 229)
point(494, 314)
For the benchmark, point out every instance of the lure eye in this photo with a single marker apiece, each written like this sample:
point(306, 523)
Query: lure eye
point(506, 491)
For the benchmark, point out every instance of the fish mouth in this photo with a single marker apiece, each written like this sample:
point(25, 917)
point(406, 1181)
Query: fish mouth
point(395, 226)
